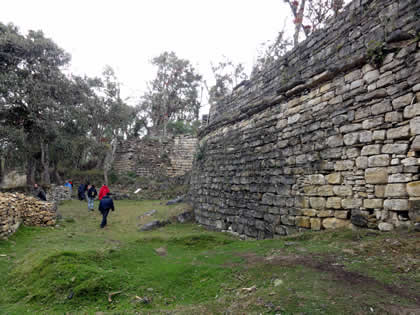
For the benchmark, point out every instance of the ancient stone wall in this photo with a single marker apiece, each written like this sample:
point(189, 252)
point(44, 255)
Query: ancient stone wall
point(16, 209)
point(150, 157)
point(327, 137)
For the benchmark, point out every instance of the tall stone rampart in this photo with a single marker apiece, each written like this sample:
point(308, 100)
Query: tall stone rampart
point(327, 137)
point(170, 157)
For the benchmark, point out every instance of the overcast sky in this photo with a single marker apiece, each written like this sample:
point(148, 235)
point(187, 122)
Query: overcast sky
point(126, 34)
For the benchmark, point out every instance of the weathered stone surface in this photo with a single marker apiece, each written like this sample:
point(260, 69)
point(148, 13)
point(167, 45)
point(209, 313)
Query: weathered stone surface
point(395, 190)
point(413, 189)
point(398, 133)
point(378, 160)
point(351, 203)
point(376, 176)
point(317, 202)
point(341, 214)
point(315, 224)
point(317, 179)
point(415, 126)
point(385, 227)
point(303, 222)
point(344, 165)
point(402, 101)
point(372, 149)
point(395, 148)
point(334, 223)
point(343, 191)
point(396, 204)
point(325, 213)
point(273, 144)
point(334, 203)
point(334, 178)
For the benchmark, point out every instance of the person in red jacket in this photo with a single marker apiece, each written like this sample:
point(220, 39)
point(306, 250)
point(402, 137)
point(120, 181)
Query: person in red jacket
point(103, 191)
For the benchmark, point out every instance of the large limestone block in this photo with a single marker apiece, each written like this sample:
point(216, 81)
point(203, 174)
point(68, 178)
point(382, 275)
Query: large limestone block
point(317, 202)
point(325, 213)
point(343, 191)
point(344, 165)
point(376, 175)
point(415, 126)
point(396, 204)
point(395, 148)
point(352, 203)
point(372, 149)
point(398, 133)
point(412, 110)
point(326, 190)
point(315, 224)
point(334, 223)
point(310, 212)
point(378, 160)
point(335, 141)
point(303, 222)
point(413, 189)
point(373, 203)
point(334, 203)
point(341, 214)
point(334, 178)
point(396, 190)
point(316, 179)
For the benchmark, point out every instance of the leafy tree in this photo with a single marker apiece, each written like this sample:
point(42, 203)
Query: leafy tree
point(271, 51)
point(310, 15)
point(227, 75)
point(172, 95)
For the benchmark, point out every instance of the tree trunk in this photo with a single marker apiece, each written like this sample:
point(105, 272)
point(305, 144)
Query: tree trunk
point(298, 22)
point(110, 155)
point(30, 172)
point(45, 160)
point(57, 176)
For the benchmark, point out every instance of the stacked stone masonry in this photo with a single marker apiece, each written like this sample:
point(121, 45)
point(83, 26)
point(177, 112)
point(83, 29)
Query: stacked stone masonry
point(16, 209)
point(170, 157)
point(328, 137)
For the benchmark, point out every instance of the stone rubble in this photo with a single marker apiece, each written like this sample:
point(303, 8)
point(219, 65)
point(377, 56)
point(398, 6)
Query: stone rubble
point(16, 209)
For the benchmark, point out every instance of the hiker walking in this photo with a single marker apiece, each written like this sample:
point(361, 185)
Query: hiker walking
point(105, 205)
point(81, 191)
point(91, 194)
point(103, 191)
point(39, 193)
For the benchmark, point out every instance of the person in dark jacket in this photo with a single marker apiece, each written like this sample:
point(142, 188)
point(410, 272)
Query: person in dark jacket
point(105, 205)
point(39, 193)
point(81, 191)
point(91, 194)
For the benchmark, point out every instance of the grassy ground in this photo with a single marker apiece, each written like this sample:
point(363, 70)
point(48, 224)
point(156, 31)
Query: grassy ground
point(77, 268)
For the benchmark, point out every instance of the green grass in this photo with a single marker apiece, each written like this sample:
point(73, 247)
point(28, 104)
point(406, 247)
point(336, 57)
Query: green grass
point(73, 267)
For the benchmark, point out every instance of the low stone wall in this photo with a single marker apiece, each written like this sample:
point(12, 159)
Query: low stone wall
point(150, 157)
point(328, 137)
point(58, 193)
point(18, 208)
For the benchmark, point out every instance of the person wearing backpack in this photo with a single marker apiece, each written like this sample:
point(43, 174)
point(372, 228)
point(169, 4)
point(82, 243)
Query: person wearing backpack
point(91, 195)
point(105, 205)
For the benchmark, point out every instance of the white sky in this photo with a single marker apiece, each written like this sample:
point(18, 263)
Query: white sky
point(127, 34)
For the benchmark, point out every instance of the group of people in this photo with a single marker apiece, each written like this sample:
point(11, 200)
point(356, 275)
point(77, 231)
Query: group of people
point(106, 203)
point(87, 191)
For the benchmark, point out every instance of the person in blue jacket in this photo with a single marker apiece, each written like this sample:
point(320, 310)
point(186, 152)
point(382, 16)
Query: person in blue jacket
point(105, 205)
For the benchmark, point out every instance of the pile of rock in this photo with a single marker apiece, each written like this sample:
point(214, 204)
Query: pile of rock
point(18, 208)
point(58, 193)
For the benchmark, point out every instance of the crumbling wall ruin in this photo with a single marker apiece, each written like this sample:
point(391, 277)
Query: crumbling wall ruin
point(169, 157)
point(16, 209)
point(327, 137)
